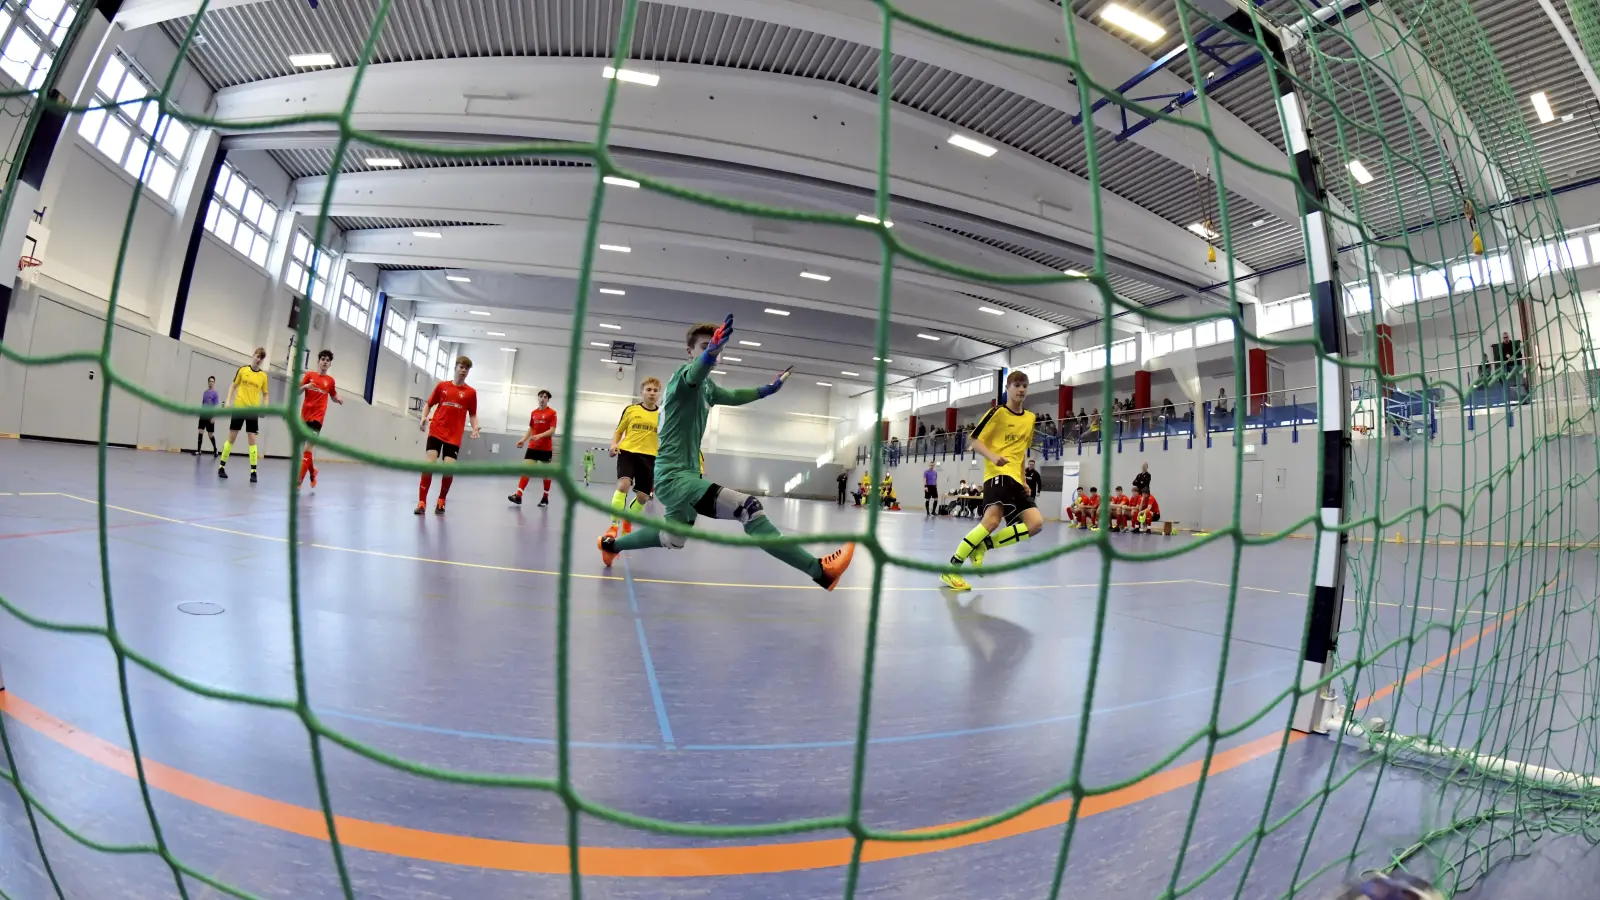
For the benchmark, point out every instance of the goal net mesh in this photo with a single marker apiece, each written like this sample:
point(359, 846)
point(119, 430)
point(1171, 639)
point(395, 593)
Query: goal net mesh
point(1470, 583)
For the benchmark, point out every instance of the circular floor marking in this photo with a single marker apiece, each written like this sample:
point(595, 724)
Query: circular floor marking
point(200, 608)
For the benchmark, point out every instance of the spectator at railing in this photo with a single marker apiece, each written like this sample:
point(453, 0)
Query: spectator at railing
point(1220, 406)
point(1168, 410)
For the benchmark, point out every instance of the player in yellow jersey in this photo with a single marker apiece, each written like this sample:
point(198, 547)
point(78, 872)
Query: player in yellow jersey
point(635, 446)
point(1002, 438)
point(248, 391)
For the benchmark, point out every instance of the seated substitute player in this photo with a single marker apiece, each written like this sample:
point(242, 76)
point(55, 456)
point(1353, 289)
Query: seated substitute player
point(541, 446)
point(1149, 511)
point(634, 444)
point(1121, 509)
point(248, 391)
point(1089, 512)
point(451, 403)
point(1002, 438)
point(319, 388)
point(685, 406)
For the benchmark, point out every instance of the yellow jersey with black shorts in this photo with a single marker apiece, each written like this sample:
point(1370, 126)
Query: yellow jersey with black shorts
point(1007, 434)
point(249, 390)
point(637, 446)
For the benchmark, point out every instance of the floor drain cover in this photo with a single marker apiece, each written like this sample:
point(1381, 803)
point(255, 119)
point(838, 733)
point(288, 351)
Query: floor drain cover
point(200, 608)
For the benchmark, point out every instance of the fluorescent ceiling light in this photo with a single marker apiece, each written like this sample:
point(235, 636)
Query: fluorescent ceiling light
point(1568, 117)
point(777, 312)
point(1360, 172)
point(1200, 229)
point(718, 372)
point(851, 374)
point(1541, 105)
point(478, 312)
point(749, 343)
point(509, 349)
point(872, 220)
point(966, 143)
point(614, 181)
point(428, 234)
point(616, 291)
point(928, 337)
point(598, 344)
point(310, 60)
point(1073, 272)
point(610, 326)
point(616, 248)
point(731, 359)
point(609, 360)
point(1131, 22)
point(495, 333)
point(462, 279)
point(815, 277)
point(632, 76)
point(881, 359)
point(1258, 223)
point(992, 312)
point(824, 384)
point(383, 162)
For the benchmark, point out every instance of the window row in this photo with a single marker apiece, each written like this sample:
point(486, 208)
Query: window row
point(939, 395)
point(972, 387)
point(31, 36)
point(1043, 370)
point(241, 216)
point(1120, 353)
point(1188, 337)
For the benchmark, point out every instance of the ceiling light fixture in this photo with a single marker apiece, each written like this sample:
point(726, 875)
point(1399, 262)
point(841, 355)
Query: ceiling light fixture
point(731, 359)
point(966, 143)
point(1258, 223)
point(1541, 106)
point(1074, 273)
point(495, 333)
point(610, 326)
point(718, 372)
point(992, 312)
point(598, 344)
point(383, 162)
point(310, 60)
point(816, 277)
point(478, 312)
point(1132, 22)
point(824, 384)
point(614, 291)
point(928, 337)
point(509, 349)
point(851, 374)
point(1360, 172)
point(616, 248)
point(881, 359)
point(427, 234)
point(459, 279)
point(614, 181)
point(872, 220)
point(1201, 229)
point(609, 361)
point(632, 76)
point(777, 312)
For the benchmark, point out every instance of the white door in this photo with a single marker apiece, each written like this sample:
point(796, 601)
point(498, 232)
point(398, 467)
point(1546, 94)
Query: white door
point(1250, 489)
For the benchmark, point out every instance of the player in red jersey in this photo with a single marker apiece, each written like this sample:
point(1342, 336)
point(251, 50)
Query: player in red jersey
point(1149, 511)
point(318, 388)
point(454, 402)
point(541, 429)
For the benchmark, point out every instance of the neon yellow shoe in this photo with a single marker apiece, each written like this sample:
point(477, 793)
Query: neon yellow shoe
point(955, 582)
point(976, 556)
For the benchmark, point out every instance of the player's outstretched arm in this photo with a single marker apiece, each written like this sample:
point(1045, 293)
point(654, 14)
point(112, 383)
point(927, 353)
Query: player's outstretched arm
point(702, 365)
point(721, 396)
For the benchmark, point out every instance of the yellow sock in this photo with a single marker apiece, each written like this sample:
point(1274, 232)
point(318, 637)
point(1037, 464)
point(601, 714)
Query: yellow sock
point(255, 454)
point(637, 505)
point(1011, 535)
point(618, 500)
point(227, 447)
point(968, 544)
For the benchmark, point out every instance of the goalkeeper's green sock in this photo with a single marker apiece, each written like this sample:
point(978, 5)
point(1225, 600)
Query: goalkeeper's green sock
point(793, 554)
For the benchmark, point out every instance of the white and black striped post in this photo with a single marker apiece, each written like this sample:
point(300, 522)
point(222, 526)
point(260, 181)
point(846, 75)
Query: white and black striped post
point(1327, 303)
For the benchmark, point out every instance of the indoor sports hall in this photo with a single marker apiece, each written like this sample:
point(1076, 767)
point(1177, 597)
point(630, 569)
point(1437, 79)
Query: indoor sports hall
point(799, 449)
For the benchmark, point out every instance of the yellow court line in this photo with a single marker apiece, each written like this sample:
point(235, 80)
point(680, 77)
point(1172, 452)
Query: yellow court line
point(521, 571)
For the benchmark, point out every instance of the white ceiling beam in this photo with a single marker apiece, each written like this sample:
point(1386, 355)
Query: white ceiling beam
point(1578, 56)
point(798, 135)
point(139, 13)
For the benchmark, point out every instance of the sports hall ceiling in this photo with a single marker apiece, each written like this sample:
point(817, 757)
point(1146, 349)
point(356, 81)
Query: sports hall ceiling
point(523, 217)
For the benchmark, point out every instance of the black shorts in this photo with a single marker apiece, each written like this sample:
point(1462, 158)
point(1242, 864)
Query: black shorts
point(207, 425)
point(538, 455)
point(314, 426)
point(930, 492)
point(641, 467)
point(1011, 495)
point(446, 450)
point(250, 424)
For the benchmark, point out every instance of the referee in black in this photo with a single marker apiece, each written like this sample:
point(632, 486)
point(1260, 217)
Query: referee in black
point(844, 480)
point(1141, 481)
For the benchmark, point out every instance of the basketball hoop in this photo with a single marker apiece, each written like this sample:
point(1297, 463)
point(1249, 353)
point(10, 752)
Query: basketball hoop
point(28, 269)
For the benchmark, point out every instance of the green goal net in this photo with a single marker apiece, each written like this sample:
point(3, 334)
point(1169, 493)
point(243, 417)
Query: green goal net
point(1463, 682)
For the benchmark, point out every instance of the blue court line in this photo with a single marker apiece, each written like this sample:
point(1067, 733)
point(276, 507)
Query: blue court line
point(805, 745)
point(649, 665)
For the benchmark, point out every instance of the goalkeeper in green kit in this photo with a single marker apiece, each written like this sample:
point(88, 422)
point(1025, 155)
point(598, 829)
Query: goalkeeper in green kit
point(588, 464)
point(685, 406)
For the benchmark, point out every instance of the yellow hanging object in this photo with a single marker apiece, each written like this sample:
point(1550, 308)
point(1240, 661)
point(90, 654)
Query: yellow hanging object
point(1477, 244)
point(1211, 254)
